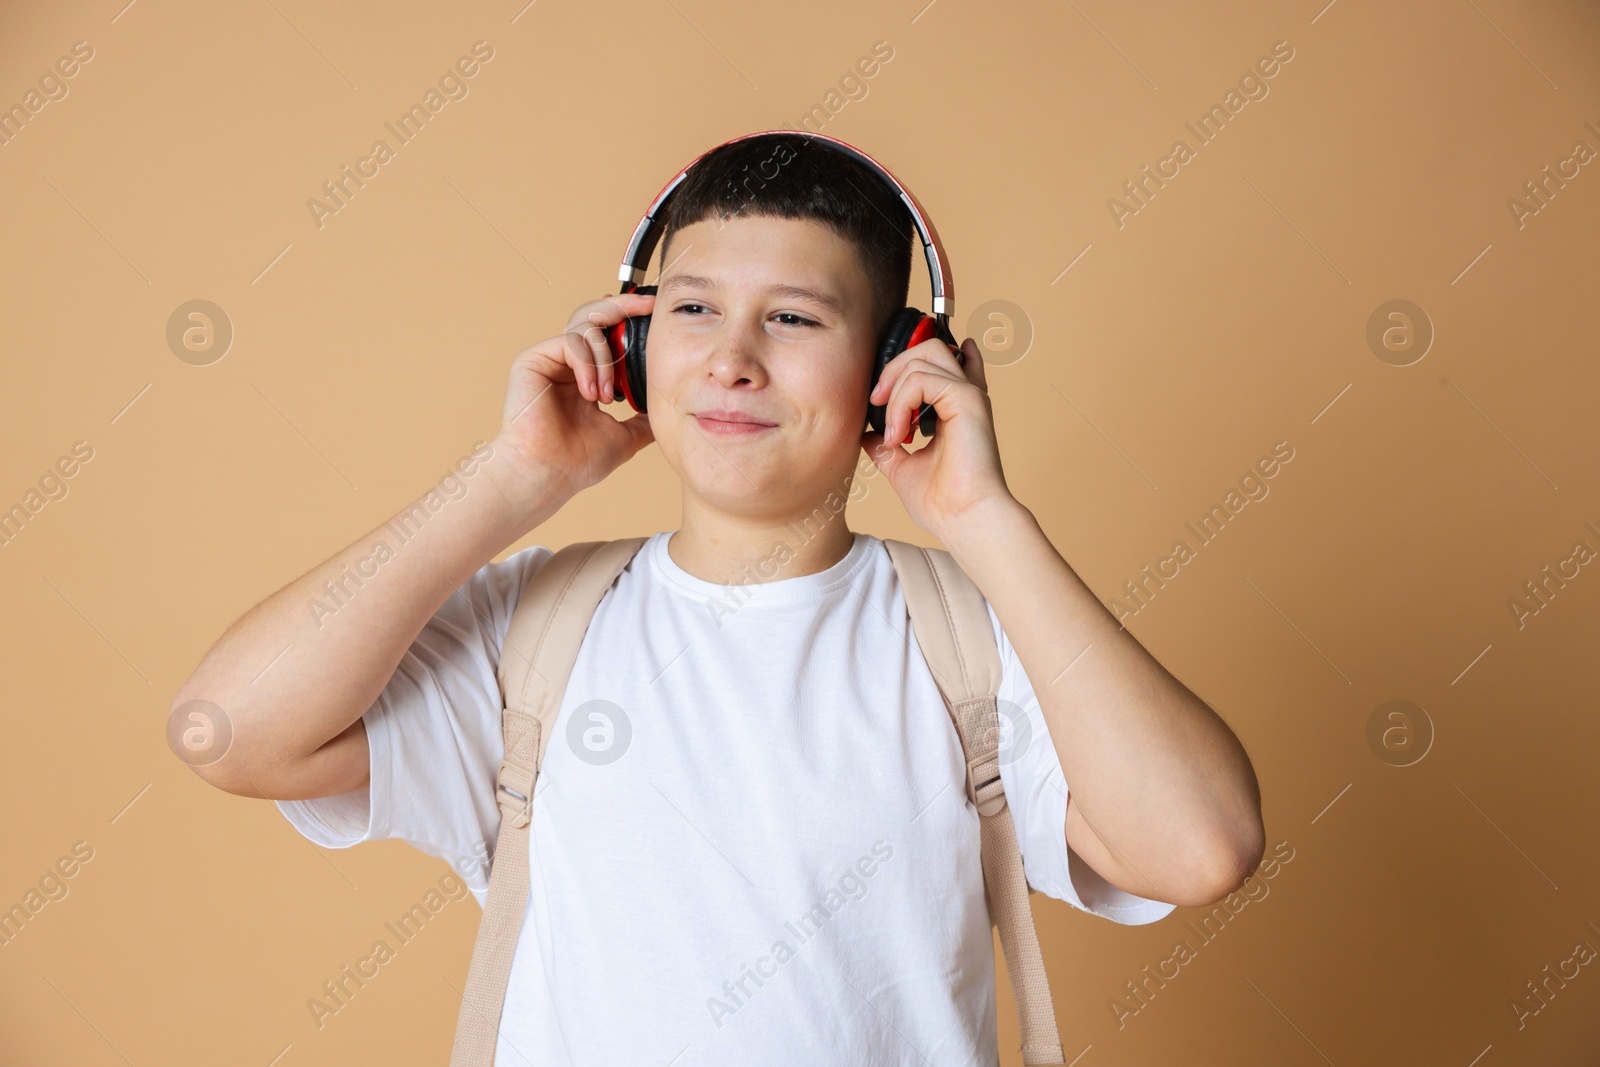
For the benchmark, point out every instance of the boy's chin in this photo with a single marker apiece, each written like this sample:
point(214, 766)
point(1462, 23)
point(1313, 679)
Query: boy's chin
point(759, 494)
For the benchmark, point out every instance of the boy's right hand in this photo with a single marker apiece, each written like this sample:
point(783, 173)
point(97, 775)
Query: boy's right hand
point(553, 431)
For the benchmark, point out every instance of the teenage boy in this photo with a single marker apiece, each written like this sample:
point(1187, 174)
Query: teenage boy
point(750, 841)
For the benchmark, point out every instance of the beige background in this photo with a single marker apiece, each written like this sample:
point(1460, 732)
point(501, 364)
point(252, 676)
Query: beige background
point(1228, 314)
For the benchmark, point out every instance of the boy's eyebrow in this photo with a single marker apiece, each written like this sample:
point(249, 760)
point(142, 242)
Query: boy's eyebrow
point(798, 292)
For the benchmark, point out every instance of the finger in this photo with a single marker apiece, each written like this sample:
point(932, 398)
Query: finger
point(545, 359)
point(594, 334)
point(605, 360)
point(612, 309)
point(933, 351)
point(977, 373)
point(602, 315)
point(936, 351)
point(639, 430)
point(886, 457)
point(919, 387)
point(580, 356)
point(898, 399)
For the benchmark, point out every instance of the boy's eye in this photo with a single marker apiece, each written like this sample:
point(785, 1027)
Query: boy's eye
point(794, 319)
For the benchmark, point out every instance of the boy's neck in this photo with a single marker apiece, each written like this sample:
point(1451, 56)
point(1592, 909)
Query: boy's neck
point(733, 550)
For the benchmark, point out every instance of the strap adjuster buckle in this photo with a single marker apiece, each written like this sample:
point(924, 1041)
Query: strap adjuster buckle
point(984, 786)
point(514, 793)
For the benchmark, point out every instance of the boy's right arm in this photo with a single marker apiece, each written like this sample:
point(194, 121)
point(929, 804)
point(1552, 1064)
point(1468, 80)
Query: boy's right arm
point(294, 685)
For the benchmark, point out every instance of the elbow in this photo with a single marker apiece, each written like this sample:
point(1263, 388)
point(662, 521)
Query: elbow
point(1234, 848)
point(225, 775)
point(242, 756)
point(1228, 864)
point(228, 780)
point(201, 735)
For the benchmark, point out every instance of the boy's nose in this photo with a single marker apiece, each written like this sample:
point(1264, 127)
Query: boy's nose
point(736, 354)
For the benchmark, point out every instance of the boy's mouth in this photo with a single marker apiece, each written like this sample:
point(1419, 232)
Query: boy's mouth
point(724, 422)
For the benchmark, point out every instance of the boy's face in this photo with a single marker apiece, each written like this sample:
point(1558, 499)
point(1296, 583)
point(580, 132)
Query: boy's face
point(731, 335)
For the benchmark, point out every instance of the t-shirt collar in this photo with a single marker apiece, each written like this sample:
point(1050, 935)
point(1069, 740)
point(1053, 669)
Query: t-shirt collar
point(757, 586)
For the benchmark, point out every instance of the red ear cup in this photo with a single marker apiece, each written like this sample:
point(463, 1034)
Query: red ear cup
point(627, 343)
point(907, 328)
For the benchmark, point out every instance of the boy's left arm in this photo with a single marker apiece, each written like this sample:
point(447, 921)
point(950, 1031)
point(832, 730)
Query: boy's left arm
point(1162, 800)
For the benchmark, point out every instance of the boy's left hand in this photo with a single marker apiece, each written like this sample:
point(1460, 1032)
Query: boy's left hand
point(959, 470)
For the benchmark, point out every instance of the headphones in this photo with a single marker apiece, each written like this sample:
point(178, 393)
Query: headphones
point(907, 327)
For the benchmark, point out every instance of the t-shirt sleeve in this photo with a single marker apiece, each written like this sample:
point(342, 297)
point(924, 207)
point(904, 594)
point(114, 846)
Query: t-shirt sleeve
point(1036, 793)
point(433, 734)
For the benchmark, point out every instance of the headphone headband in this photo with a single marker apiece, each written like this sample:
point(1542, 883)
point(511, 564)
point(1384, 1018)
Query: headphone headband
point(648, 232)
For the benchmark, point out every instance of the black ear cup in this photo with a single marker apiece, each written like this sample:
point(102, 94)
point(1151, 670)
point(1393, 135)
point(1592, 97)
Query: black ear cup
point(890, 344)
point(907, 328)
point(627, 343)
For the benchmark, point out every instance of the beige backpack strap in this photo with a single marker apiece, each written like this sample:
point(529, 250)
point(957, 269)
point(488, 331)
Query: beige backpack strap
point(951, 623)
point(536, 659)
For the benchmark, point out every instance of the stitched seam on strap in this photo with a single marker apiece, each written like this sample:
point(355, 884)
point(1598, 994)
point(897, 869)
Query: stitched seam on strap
point(950, 617)
point(549, 624)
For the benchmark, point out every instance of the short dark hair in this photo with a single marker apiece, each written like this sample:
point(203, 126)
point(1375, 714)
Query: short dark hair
point(789, 176)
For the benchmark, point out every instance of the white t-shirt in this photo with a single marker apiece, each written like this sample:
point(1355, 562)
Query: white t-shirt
point(751, 845)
